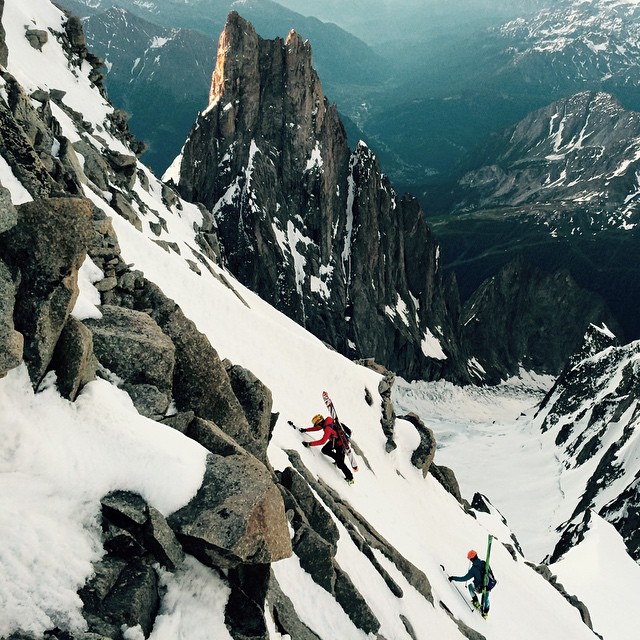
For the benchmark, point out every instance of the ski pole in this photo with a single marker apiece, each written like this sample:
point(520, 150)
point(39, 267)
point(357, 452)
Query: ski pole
point(457, 589)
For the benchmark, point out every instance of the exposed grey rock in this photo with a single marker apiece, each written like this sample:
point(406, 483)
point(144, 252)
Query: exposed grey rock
point(70, 163)
point(237, 516)
point(162, 542)
point(284, 615)
point(148, 400)
point(18, 151)
point(315, 542)
point(464, 629)
point(48, 279)
point(105, 574)
point(95, 166)
point(11, 342)
point(314, 513)
point(37, 38)
point(4, 51)
point(211, 437)
point(200, 382)
point(134, 598)
point(317, 553)
point(122, 205)
point(125, 509)
point(132, 345)
point(408, 626)
point(257, 402)
point(75, 32)
point(180, 421)
point(124, 167)
point(244, 613)
point(545, 572)
point(316, 557)
point(146, 525)
point(73, 358)
point(423, 456)
point(352, 601)
point(447, 478)
point(8, 215)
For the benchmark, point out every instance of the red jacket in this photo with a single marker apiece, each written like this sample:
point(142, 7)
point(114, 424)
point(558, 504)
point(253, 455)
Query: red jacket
point(329, 432)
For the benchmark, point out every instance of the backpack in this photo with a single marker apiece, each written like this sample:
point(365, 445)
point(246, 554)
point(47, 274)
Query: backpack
point(491, 580)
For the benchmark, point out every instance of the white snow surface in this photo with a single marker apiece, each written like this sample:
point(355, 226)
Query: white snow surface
point(57, 458)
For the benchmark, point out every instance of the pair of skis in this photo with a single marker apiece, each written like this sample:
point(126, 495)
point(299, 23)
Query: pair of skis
point(485, 577)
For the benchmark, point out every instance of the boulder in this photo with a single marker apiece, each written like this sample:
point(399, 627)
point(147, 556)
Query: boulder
point(131, 344)
point(423, 456)
point(256, 401)
point(146, 525)
point(47, 246)
point(447, 478)
point(37, 38)
point(134, 598)
point(236, 517)
point(200, 382)
point(212, 438)
point(73, 358)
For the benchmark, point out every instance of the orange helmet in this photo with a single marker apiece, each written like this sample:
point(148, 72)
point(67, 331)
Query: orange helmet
point(317, 419)
point(471, 555)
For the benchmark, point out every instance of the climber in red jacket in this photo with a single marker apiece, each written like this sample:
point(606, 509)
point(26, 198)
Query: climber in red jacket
point(333, 447)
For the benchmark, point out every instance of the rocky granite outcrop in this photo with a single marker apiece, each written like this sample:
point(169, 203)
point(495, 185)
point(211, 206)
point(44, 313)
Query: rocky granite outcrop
point(315, 229)
point(48, 279)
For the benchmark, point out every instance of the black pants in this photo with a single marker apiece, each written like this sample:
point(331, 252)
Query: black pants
point(338, 456)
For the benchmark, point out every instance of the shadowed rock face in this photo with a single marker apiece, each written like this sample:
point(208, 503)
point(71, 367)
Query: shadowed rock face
point(314, 228)
point(524, 317)
point(48, 279)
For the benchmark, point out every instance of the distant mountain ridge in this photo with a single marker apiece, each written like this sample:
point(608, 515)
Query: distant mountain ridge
point(562, 188)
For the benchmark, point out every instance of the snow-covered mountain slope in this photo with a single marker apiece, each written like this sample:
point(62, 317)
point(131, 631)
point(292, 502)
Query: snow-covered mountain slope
point(561, 471)
point(577, 41)
point(571, 166)
point(58, 458)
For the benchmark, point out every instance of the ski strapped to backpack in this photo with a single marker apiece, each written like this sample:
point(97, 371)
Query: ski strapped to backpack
point(488, 579)
point(344, 433)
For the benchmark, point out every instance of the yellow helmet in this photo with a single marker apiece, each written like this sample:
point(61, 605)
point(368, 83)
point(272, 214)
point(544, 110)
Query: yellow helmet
point(317, 419)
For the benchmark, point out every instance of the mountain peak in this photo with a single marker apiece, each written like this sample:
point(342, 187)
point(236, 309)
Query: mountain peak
point(305, 222)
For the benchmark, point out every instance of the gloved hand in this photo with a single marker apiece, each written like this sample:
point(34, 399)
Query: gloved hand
point(302, 430)
point(450, 578)
point(306, 444)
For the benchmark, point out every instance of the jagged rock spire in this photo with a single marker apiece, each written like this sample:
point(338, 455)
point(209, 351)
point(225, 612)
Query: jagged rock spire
point(315, 229)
